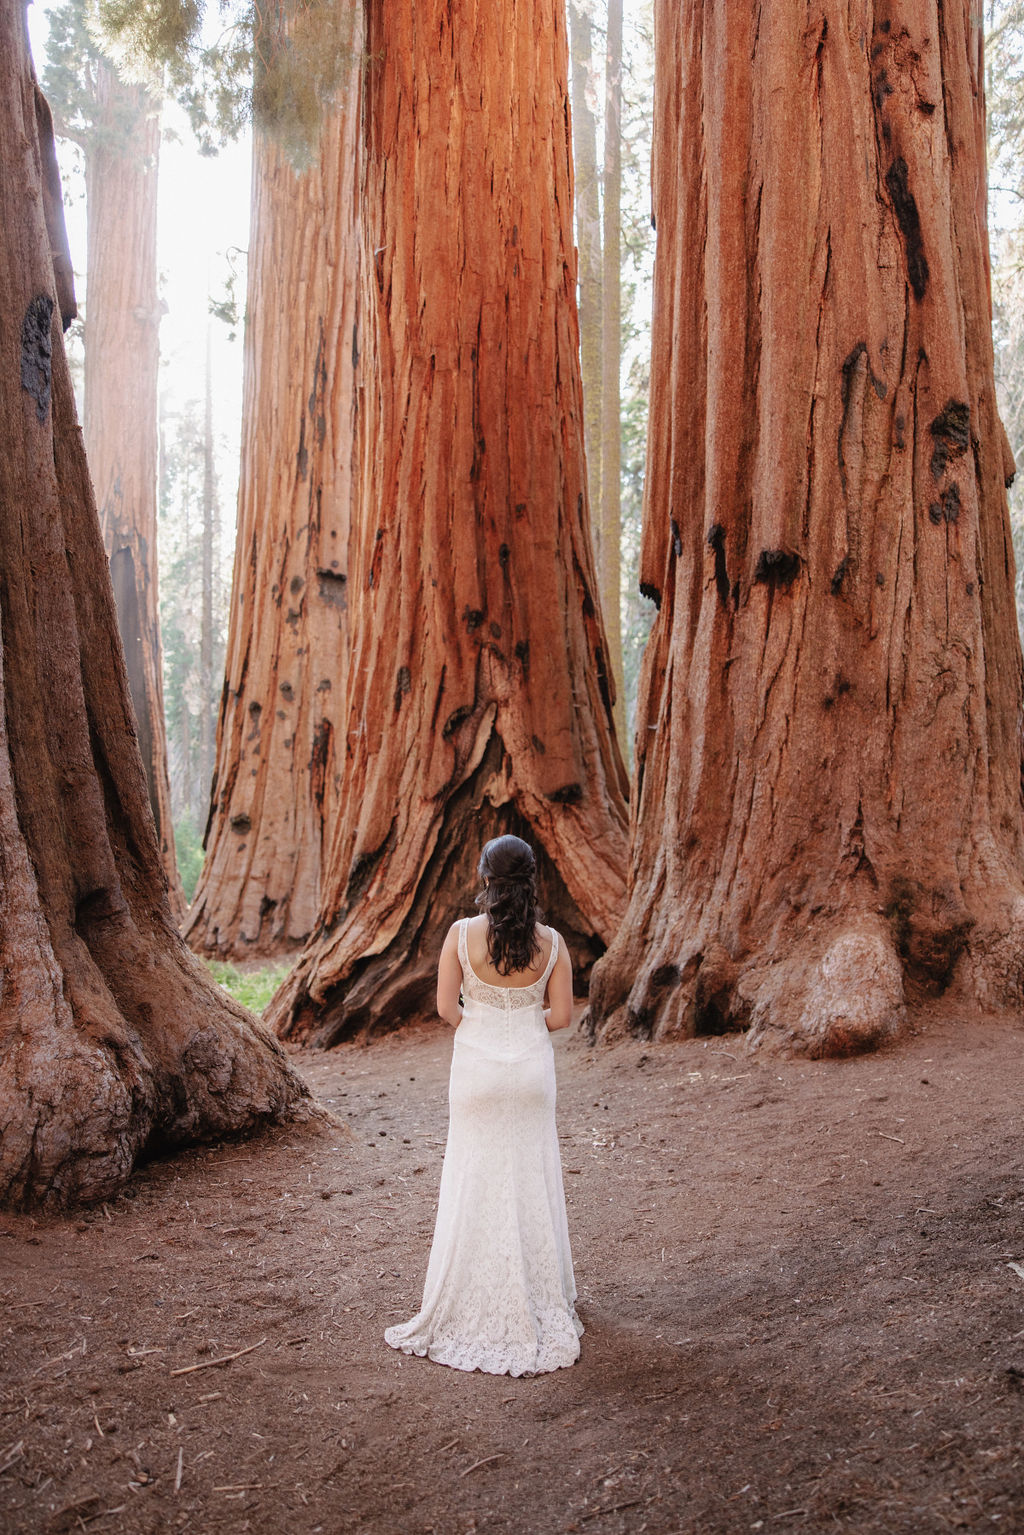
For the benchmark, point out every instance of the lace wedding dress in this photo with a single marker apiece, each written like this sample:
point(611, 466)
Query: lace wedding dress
point(499, 1294)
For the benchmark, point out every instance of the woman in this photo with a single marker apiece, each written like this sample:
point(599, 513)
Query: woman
point(499, 1294)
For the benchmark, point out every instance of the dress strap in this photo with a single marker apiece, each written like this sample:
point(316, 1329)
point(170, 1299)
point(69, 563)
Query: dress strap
point(463, 945)
point(551, 958)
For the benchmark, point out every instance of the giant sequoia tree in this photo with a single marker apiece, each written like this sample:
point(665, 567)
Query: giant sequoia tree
point(117, 127)
point(479, 699)
point(827, 815)
point(276, 781)
point(112, 1042)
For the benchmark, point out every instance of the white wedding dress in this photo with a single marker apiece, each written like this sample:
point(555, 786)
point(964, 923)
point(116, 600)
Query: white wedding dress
point(499, 1293)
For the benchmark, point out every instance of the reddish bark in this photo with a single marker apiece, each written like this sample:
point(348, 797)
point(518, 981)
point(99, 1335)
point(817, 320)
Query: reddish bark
point(277, 774)
point(479, 699)
point(112, 1041)
point(827, 815)
point(122, 362)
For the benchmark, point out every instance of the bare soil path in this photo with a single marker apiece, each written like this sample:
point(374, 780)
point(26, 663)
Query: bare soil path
point(795, 1277)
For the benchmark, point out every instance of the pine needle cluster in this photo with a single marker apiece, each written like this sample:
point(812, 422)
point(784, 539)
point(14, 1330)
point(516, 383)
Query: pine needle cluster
point(276, 63)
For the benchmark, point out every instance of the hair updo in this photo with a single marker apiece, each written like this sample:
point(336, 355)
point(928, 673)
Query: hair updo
point(509, 899)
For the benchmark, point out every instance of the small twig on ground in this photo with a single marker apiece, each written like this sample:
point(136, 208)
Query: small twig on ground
point(885, 1138)
point(449, 1446)
point(612, 1508)
point(177, 1474)
point(478, 1463)
point(208, 1364)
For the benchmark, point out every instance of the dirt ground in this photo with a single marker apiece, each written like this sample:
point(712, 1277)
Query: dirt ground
point(795, 1277)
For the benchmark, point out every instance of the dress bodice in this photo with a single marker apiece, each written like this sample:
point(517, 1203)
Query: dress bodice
point(506, 999)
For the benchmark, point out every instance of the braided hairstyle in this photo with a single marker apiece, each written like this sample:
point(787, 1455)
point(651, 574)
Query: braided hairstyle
point(509, 899)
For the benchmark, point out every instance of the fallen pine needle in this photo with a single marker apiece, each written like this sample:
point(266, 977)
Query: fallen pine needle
point(208, 1364)
point(478, 1463)
point(885, 1138)
point(449, 1446)
point(14, 1453)
point(612, 1508)
point(240, 1487)
point(789, 1513)
point(177, 1474)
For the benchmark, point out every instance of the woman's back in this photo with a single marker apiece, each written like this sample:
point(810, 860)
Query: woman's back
point(483, 967)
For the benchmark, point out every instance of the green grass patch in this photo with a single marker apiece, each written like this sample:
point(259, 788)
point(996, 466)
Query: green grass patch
point(253, 988)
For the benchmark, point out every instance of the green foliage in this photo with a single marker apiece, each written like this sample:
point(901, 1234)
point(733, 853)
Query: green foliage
point(74, 59)
point(252, 988)
point(278, 63)
point(190, 709)
point(189, 846)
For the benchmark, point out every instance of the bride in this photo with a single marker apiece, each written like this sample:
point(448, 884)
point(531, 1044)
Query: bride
point(499, 1293)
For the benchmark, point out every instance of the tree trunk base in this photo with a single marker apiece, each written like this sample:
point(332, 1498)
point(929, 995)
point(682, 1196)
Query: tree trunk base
point(835, 992)
point(831, 995)
point(382, 991)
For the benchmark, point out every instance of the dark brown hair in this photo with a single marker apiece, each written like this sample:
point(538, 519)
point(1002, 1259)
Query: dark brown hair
point(509, 899)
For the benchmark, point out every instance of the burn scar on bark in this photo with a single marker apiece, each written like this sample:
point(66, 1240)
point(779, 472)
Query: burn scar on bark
point(904, 205)
point(716, 543)
point(677, 542)
point(37, 352)
point(403, 683)
point(951, 430)
point(455, 719)
point(332, 584)
point(568, 794)
point(777, 568)
point(652, 593)
point(947, 508)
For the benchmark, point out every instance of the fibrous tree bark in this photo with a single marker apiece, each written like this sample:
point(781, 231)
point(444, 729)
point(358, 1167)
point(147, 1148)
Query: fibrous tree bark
point(479, 695)
point(112, 1041)
point(276, 784)
point(610, 540)
point(122, 363)
point(827, 817)
point(588, 243)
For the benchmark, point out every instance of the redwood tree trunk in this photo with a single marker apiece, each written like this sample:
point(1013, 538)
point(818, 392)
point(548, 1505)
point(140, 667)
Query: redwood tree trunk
point(827, 816)
point(479, 697)
point(277, 774)
point(112, 1041)
point(122, 362)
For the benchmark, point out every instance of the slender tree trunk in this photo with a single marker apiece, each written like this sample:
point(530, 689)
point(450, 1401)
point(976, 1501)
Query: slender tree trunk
point(479, 697)
point(112, 1041)
point(588, 242)
point(278, 767)
point(122, 361)
point(828, 778)
point(206, 589)
point(610, 560)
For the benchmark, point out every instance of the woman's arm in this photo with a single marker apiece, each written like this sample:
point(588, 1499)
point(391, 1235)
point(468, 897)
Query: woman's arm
point(449, 979)
point(558, 1013)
